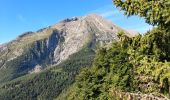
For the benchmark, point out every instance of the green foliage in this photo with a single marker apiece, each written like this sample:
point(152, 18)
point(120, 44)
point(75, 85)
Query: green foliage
point(140, 64)
point(111, 69)
point(49, 83)
point(155, 12)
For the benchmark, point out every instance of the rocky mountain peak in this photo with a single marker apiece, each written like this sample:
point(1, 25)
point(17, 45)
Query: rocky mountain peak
point(70, 19)
point(54, 44)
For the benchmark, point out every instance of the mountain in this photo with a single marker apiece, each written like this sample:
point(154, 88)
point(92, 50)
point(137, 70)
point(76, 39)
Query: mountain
point(34, 51)
point(135, 68)
point(42, 64)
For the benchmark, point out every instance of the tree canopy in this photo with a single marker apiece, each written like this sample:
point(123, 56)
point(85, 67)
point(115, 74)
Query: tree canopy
point(155, 12)
point(137, 64)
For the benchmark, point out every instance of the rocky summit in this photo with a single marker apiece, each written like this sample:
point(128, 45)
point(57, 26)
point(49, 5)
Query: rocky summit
point(32, 52)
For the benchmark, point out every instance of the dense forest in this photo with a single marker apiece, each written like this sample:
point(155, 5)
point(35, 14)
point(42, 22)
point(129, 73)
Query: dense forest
point(136, 65)
point(49, 83)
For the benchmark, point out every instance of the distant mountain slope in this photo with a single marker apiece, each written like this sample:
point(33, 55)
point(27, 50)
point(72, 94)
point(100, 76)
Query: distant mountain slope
point(54, 44)
point(47, 84)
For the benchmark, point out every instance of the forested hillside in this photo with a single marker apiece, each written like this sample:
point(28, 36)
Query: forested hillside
point(139, 65)
point(49, 83)
point(43, 67)
point(54, 44)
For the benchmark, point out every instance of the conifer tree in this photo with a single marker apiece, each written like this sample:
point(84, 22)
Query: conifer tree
point(155, 12)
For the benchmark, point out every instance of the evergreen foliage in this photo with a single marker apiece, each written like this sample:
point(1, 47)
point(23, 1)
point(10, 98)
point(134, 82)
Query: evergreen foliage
point(49, 83)
point(138, 64)
point(155, 12)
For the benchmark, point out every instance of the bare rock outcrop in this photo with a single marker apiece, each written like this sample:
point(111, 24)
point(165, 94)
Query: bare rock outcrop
point(54, 44)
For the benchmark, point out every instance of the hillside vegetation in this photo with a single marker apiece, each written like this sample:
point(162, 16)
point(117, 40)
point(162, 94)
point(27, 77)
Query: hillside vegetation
point(49, 83)
point(128, 69)
point(54, 44)
point(133, 65)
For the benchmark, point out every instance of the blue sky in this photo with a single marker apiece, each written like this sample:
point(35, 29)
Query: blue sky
point(18, 16)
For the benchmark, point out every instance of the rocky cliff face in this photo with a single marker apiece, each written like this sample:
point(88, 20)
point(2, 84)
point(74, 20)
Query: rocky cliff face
point(54, 44)
point(77, 32)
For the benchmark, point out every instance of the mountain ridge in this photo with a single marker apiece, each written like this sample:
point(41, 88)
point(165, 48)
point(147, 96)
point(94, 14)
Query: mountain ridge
point(74, 18)
point(54, 44)
point(47, 61)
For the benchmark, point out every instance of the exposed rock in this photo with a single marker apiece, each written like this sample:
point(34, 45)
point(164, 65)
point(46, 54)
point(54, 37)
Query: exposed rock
point(54, 44)
point(78, 31)
point(3, 48)
point(132, 32)
point(36, 69)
